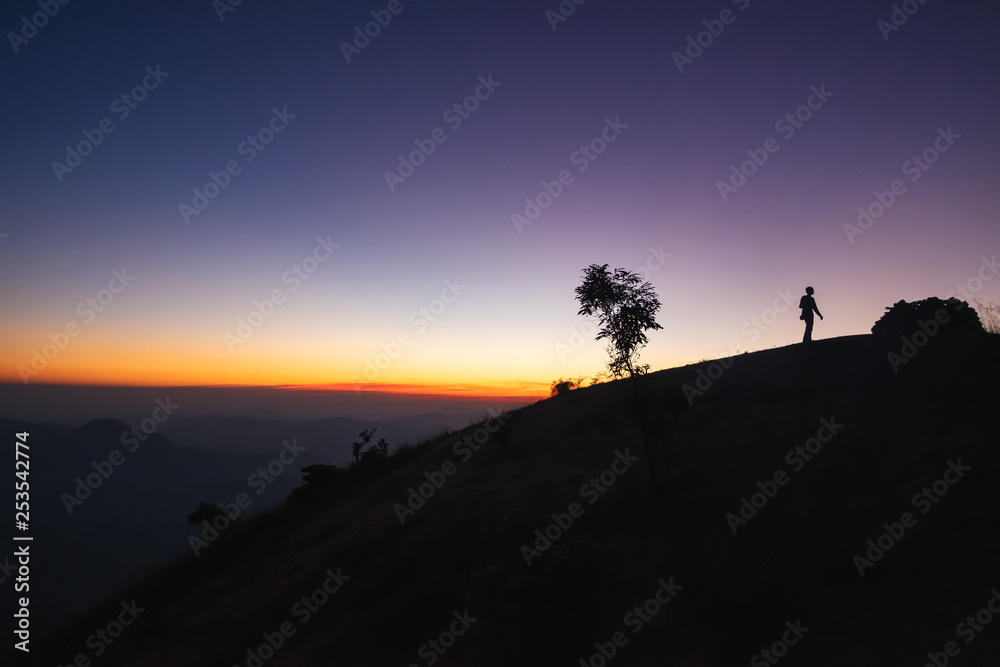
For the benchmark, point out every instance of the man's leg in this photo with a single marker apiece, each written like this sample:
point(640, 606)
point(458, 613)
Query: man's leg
point(807, 337)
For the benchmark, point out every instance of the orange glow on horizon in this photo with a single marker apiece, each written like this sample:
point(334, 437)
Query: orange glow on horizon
point(138, 362)
point(513, 390)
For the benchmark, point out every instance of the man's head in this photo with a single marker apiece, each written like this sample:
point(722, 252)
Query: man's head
point(809, 291)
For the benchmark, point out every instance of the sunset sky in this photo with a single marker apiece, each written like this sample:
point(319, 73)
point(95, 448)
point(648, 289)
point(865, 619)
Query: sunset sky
point(354, 255)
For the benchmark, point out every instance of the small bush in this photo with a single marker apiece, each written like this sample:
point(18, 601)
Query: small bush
point(903, 318)
point(320, 474)
point(205, 512)
point(378, 451)
point(562, 386)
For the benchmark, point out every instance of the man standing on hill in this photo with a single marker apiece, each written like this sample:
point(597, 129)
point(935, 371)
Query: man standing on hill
point(808, 304)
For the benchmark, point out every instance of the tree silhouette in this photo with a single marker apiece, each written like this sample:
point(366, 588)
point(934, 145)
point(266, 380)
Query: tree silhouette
point(626, 308)
point(378, 451)
point(366, 437)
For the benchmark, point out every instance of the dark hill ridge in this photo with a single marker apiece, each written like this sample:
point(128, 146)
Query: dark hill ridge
point(887, 437)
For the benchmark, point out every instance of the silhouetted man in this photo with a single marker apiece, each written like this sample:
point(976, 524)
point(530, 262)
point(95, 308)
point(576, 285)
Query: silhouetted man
point(808, 304)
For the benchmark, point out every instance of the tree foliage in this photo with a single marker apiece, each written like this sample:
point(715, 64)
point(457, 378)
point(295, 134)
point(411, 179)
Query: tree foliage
point(377, 451)
point(562, 386)
point(626, 308)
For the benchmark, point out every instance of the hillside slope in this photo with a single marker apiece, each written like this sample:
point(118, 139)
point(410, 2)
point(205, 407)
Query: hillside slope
point(99, 525)
point(783, 577)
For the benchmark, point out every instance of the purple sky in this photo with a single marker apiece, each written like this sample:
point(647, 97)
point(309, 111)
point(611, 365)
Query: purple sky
point(499, 309)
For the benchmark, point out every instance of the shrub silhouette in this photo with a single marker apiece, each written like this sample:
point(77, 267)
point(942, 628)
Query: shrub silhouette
point(205, 512)
point(903, 318)
point(321, 474)
point(562, 386)
point(378, 451)
point(322, 483)
point(327, 483)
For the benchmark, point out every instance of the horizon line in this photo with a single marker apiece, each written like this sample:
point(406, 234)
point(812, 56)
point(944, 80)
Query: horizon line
point(519, 389)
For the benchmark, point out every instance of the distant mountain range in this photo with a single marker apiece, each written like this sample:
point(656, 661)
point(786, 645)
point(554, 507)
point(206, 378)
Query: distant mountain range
point(100, 520)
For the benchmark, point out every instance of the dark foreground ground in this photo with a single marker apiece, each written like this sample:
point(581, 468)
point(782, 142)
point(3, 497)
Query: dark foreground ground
point(908, 460)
